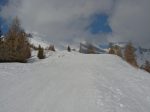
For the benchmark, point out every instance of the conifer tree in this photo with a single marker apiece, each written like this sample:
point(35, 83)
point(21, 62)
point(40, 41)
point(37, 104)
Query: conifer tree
point(129, 55)
point(40, 54)
point(16, 47)
point(69, 49)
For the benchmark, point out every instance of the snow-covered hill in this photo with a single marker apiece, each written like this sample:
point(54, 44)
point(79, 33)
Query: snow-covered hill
point(37, 39)
point(142, 54)
point(73, 82)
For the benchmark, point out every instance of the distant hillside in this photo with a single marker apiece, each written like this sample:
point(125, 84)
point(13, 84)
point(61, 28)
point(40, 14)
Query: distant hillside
point(142, 54)
point(89, 48)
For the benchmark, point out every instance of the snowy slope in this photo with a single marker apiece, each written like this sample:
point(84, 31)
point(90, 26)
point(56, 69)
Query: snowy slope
point(37, 40)
point(73, 82)
point(142, 54)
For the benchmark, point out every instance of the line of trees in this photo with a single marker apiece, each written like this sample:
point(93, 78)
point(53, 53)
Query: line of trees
point(129, 56)
point(129, 53)
point(15, 46)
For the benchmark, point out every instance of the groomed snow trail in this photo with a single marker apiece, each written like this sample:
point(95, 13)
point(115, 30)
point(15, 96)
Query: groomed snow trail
point(73, 82)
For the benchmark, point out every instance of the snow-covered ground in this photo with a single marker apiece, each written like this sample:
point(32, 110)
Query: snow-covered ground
point(73, 82)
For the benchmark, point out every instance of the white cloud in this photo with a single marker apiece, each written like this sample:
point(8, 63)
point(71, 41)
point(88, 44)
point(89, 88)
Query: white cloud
point(130, 21)
point(61, 20)
point(65, 21)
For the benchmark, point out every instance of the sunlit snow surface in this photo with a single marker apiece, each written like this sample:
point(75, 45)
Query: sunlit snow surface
point(74, 82)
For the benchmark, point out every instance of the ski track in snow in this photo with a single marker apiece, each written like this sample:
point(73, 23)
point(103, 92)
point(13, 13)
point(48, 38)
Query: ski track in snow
point(73, 82)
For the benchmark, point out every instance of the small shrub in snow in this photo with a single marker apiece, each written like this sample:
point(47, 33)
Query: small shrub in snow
point(69, 49)
point(40, 54)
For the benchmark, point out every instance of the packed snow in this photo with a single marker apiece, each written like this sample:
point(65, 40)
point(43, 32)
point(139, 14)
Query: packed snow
point(74, 82)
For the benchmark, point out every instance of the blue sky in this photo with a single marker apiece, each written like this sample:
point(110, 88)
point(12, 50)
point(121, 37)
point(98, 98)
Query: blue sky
point(3, 24)
point(3, 2)
point(100, 24)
